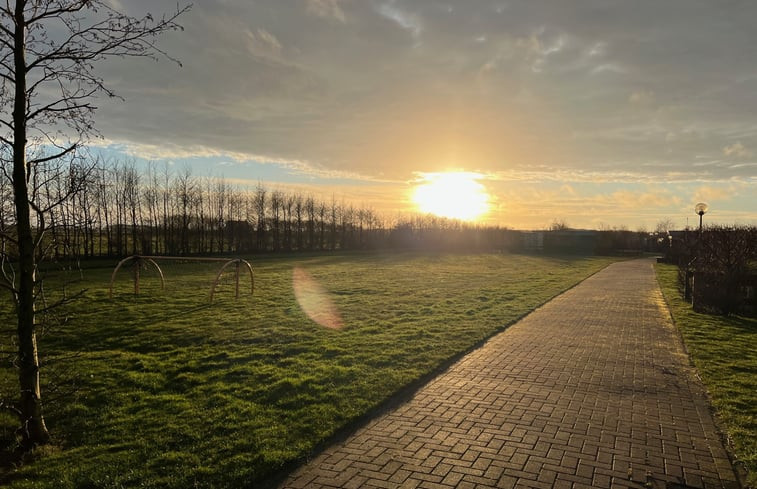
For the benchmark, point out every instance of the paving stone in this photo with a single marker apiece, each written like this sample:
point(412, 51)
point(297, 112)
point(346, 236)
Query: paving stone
point(593, 389)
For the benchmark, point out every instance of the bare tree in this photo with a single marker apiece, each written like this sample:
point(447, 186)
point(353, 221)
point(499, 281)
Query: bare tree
point(322, 213)
point(169, 244)
point(186, 195)
point(310, 210)
point(299, 211)
point(260, 203)
point(276, 203)
point(150, 196)
point(559, 225)
point(288, 207)
point(333, 221)
point(48, 52)
point(663, 226)
point(220, 191)
point(103, 215)
point(132, 203)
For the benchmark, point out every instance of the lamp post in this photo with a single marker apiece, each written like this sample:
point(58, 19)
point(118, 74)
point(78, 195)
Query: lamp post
point(700, 209)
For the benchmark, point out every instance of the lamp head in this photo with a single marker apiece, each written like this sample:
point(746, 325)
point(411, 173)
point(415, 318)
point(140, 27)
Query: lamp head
point(700, 208)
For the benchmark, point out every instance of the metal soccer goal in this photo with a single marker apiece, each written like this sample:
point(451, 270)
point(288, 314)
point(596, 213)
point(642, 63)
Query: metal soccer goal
point(138, 262)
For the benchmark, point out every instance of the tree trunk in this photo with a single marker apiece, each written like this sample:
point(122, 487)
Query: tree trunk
point(33, 429)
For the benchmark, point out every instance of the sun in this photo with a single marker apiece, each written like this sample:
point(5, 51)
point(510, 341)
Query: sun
point(456, 195)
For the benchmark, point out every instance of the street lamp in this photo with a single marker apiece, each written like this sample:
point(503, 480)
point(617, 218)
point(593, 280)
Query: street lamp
point(700, 209)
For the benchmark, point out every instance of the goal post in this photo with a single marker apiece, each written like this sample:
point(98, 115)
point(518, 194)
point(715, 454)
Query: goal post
point(138, 261)
point(237, 262)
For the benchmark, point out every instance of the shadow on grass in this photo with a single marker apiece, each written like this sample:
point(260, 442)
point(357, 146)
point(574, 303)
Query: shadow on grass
point(12, 456)
point(744, 323)
point(107, 338)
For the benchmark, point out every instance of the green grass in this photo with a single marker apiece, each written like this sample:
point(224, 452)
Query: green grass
point(724, 351)
point(167, 391)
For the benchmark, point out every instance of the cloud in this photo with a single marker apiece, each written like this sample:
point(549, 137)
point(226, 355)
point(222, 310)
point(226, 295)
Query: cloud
point(328, 9)
point(638, 91)
point(592, 206)
point(115, 4)
point(639, 175)
point(539, 46)
point(608, 68)
point(711, 194)
point(641, 200)
point(642, 97)
point(263, 43)
point(402, 18)
point(170, 152)
point(736, 150)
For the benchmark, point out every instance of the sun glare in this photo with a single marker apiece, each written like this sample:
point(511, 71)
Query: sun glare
point(456, 195)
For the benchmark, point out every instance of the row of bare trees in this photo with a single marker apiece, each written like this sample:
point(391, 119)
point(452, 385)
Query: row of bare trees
point(113, 209)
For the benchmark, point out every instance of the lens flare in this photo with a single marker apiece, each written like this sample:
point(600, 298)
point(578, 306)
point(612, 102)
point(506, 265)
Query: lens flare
point(314, 300)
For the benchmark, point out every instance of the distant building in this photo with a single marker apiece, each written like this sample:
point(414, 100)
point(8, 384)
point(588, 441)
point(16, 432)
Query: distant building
point(533, 240)
point(579, 241)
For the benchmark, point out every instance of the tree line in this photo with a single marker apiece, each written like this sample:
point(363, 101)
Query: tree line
point(102, 208)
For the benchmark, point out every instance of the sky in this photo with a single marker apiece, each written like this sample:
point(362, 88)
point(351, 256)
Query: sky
point(596, 113)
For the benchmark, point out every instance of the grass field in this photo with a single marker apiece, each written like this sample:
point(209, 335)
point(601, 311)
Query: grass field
point(164, 390)
point(724, 351)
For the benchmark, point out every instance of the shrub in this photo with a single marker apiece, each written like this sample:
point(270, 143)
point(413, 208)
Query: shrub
point(722, 261)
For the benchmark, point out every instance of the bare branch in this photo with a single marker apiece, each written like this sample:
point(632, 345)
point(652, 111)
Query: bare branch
point(7, 237)
point(9, 69)
point(7, 285)
point(7, 32)
point(52, 107)
point(116, 35)
point(61, 154)
point(49, 76)
point(9, 407)
point(57, 12)
point(59, 302)
point(8, 276)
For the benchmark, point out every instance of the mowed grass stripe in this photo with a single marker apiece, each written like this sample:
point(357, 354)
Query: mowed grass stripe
point(172, 392)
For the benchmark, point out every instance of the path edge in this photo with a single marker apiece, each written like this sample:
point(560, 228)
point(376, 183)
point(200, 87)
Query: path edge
point(739, 470)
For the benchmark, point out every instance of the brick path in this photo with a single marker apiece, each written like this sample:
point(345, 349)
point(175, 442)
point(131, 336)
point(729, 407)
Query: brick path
point(591, 390)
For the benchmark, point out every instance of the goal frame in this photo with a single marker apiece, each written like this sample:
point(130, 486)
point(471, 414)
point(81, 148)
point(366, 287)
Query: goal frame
point(139, 260)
